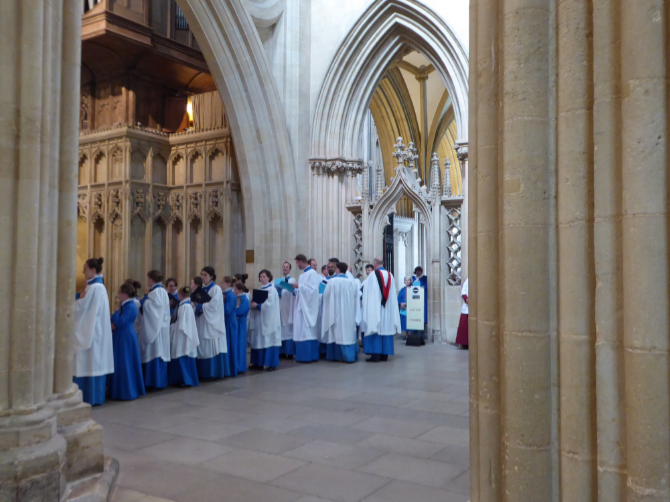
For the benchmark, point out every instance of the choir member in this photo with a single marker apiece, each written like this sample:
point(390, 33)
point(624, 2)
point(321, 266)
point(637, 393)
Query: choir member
point(324, 272)
point(229, 306)
point(402, 303)
point(127, 382)
point(462, 333)
point(242, 313)
point(286, 305)
point(94, 354)
point(312, 263)
point(155, 339)
point(368, 270)
point(422, 281)
point(243, 279)
point(212, 361)
point(381, 318)
point(137, 286)
point(184, 343)
point(306, 313)
point(265, 326)
point(341, 316)
point(173, 295)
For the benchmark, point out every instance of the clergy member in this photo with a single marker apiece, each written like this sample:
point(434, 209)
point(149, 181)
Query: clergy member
point(381, 318)
point(211, 361)
point(155, 339)
point(306, 313)
point(94, 355)
point(341, 316)
point(265, 326)
point(462, 333)
point(184, 337)
point(286, 306)
point(127, 382)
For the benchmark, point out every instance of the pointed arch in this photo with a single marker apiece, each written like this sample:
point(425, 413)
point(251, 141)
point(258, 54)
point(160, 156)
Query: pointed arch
point(380, 37)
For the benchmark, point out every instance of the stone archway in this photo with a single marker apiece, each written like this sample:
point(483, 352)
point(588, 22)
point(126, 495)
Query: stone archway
point(233, 51)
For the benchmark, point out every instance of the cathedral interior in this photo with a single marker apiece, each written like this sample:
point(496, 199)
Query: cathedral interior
point(526, 140)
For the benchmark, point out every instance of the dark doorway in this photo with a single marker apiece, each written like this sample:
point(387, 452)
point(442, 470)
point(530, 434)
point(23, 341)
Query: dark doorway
point(389, 250)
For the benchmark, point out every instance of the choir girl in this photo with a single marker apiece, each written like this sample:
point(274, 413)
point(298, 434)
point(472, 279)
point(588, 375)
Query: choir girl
point(155, 339)
point(242, 314)
point(94, 355)
point(265, 326)
point(212, 361)
point(286, 305)
point(137, 286)
point(127, 382)
point(196, 283)
point(229, 306)
point(184, 342)
point(173, 295)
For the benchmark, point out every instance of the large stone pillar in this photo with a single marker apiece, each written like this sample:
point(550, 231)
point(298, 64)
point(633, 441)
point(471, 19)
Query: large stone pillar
point(569, 251)
point(47, 439)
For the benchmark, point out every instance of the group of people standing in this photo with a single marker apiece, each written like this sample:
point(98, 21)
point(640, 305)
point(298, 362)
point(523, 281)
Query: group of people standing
point(178, 336)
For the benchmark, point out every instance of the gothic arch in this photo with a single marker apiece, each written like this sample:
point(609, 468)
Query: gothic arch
point(227, 36)
point(380, 37)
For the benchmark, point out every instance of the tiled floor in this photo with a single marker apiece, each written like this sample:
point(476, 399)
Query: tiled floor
point(324, 432)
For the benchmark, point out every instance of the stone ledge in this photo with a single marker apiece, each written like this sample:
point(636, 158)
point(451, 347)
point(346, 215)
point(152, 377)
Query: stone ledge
point(98, 488)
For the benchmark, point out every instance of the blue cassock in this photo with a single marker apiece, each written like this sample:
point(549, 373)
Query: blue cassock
point(424, 284)
point(242, 312)
point(229, 307)
point(127, 382)
point(402, 298)
point(176, 297)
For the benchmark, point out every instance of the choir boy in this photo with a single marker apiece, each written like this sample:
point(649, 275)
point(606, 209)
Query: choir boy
point(286, 306)
point(341, 316)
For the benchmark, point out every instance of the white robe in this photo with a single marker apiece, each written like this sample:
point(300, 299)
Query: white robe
point(155, 339)
point(212, 326)
point(377, 319)
point(265, 325)
point(341, 312)
point(464, 292)
point(286, 306)
point(306, 312)
point(93, 334)
point(184, 332)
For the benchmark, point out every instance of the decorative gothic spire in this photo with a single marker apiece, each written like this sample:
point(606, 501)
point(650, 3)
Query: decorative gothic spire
point(379, 188)
point(365, 186)
point(434, 176)
point(447, 178)
point(399, 153)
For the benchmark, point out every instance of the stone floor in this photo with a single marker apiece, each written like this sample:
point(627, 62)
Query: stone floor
point(395, 431)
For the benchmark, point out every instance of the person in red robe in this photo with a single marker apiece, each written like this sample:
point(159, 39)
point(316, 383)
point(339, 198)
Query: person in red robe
point(462, 333)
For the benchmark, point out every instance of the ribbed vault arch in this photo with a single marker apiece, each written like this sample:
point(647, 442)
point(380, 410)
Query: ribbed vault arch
point(380, 37)
point(233, 51)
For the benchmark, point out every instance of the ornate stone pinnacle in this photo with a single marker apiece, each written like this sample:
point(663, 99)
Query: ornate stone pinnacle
point(434, 175)
point(447, 178)
point(400, 152)
point(379, 188)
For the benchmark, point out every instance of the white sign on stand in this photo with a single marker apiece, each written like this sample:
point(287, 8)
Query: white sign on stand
point(415, 308)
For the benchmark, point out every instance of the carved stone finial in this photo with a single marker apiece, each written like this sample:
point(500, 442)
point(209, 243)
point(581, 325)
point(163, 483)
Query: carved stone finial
point(379, 187)
point(400, 151)
point(447, 178)
point(365, 186)
point(434, 177)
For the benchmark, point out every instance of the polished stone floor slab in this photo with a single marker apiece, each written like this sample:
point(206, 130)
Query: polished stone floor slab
point(320, 432)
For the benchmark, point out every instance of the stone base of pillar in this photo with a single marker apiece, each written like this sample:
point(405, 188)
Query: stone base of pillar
point(99, 488)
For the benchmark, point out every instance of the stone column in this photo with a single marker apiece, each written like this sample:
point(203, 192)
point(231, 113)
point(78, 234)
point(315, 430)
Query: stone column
point(39, 110)
point(570, 246)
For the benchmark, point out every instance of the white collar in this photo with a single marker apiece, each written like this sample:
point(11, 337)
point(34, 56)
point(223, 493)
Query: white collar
point(128, 300)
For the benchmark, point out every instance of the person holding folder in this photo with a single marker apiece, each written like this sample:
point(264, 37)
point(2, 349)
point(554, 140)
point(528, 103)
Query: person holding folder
point(265, 325)
point(212, 361)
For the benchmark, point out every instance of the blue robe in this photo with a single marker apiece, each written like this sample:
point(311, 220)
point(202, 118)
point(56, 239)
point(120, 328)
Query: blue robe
point(423, 280)
point(242, 312)
point(176, 297)
point(402, 298)
point(229, 307)
point(127, 382)
point(155, 371)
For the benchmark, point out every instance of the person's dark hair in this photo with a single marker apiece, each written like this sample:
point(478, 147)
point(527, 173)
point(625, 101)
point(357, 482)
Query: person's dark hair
point(289, 265)
point(418, 269)
point(127, 289)
point(95, 264)
point(198, 281)
point(136, 285)
point(267, 273)
point(334, 260)
point(301, 257)
point(342, 267)
point(369, 265)
point(242, 277)
point(229, 280)
point(186, 291)
point(171, 279)
point(155, 276)
point(311, 260)
point(210, 271)
point(241, 287)
point(324, 267)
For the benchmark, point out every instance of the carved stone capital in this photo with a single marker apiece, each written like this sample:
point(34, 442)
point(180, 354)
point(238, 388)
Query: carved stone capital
point(335, 166)
point(461, 151)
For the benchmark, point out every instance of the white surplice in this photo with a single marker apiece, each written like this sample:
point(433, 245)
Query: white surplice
point(341, 312)
point(286, 306)
point(377, 319)
point(155, 338)
point(306, 311)
point(93, 333)
point(265, 325)
point(184, 332)
point(212, 326)
point(464, 292)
